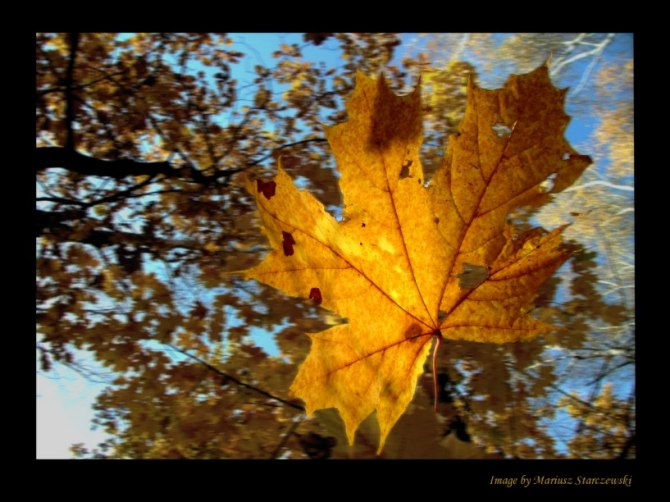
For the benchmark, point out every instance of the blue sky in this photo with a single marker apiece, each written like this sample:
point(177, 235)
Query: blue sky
point(64, 397)
point(64, 413)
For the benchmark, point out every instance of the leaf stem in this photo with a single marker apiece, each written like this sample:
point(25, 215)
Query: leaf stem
point(436, 391)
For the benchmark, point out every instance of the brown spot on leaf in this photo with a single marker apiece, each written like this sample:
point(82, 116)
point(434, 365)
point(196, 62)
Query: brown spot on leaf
point(315, 296)
point(413, 332)
point(267, 188)
point(404, 172)
point(287, 243)
point(288, 237)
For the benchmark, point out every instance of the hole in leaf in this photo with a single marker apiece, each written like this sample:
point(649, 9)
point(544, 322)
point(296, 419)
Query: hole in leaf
point(472, 276)
point(566, 156)
point(501, 130)
point(548, 184)
point(301, 182)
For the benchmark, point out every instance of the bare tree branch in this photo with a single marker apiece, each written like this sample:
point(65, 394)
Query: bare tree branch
point(600, 183)
point(69, 99)
point(563, 61)
point(58, 223)
point(592, 64)
point(285, 439)
point(50, 90)
point(235, 380)
point(61, 200)
point(287, 145)
point(71, 160)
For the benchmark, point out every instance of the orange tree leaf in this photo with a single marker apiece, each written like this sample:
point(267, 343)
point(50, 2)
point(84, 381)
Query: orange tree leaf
point(412, 261)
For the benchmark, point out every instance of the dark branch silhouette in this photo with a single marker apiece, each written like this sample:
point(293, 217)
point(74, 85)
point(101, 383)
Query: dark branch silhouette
point(59, 223)
point(72, 160)
point(69, 96)
point(291, 404)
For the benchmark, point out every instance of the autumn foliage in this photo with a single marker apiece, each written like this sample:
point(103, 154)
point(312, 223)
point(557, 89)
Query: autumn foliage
point(167, 163)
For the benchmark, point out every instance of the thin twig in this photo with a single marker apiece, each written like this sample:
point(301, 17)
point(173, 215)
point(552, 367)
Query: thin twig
point(235, 380)
point(61, 200)
point(287, 145)
point(607, 184)
point(285, 439)
point(561, 391)
point(592, 64)
point(127, 193)
point(49, 90)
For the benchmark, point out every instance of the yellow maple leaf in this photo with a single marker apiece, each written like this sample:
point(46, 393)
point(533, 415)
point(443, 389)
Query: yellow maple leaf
point(412, 262)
